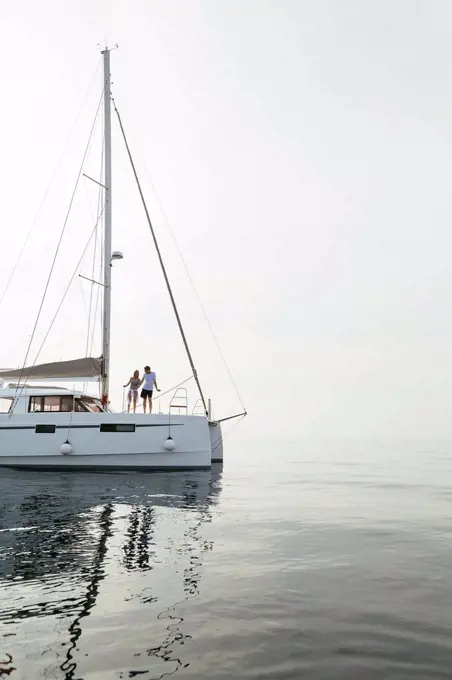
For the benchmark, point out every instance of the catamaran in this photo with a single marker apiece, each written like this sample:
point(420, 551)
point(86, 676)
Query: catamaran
point(48, 427)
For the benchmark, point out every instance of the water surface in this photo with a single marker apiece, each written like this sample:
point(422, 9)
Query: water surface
point(315, 561)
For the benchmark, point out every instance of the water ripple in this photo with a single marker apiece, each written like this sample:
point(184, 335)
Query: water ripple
point(336, 567)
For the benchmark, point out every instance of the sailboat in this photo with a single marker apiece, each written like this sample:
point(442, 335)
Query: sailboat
point(49, 427)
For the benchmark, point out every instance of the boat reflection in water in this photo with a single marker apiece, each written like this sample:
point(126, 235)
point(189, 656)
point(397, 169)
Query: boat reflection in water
point(95, 570)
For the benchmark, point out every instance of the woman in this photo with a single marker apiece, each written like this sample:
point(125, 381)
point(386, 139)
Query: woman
point(134, 383)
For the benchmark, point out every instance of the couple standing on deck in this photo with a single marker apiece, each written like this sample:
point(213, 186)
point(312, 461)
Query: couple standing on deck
point(148, 381)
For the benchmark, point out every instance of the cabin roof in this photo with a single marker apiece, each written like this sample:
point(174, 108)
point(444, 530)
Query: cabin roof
point(8, 392)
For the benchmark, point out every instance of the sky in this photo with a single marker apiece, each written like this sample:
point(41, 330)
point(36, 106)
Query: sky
point(299, 151)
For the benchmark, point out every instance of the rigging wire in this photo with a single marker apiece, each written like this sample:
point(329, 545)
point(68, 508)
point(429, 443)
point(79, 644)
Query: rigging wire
point(94, 321)
point(35, 219)
point(215, 339)
point(101, 273)
point(83, 296)
point(222, 437)
point(99, 212)
point(101, 278)
point(59, 243)
point(66, 291)
point(165, 275)
point(192, 283)
point(163, 394)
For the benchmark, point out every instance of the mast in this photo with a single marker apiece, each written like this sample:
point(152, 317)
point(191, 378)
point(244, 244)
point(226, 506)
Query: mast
point(107, 230)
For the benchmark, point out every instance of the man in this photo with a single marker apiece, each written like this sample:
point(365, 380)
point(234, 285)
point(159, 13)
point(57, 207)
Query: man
point(148, 381)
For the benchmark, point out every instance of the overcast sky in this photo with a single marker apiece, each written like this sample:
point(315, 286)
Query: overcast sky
point(302, 153)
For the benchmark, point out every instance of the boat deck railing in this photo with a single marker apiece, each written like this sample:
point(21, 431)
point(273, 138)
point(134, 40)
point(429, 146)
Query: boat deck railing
point(198, 408)
point(179, 401)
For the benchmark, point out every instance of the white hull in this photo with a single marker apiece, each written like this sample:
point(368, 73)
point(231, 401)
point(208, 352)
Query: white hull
point(126, 461)
point(25, 443)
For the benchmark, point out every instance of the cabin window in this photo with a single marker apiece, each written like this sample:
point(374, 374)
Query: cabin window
point(119, 427)
point(58, 404)
point(5, 405)
point(90, 404)
point(51, 404)
point(79, 406)
point(45, 429)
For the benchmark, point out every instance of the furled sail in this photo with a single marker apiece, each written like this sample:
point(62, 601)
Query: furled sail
point(86, 369)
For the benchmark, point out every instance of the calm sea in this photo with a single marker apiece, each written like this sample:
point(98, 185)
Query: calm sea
point(326, 561)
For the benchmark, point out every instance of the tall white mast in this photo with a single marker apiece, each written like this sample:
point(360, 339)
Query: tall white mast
point(107, 230)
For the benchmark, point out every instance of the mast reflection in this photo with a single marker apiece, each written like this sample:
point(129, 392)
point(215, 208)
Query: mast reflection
point(61, 533)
